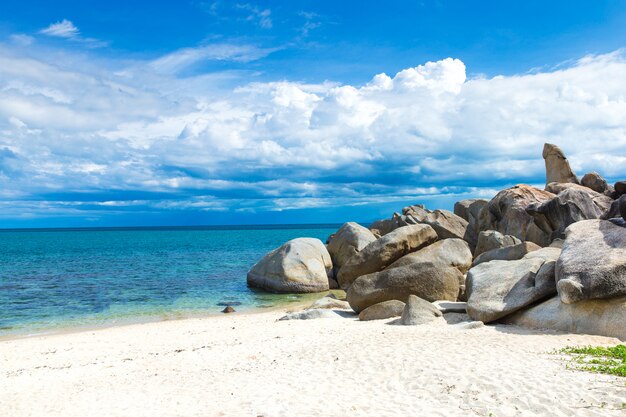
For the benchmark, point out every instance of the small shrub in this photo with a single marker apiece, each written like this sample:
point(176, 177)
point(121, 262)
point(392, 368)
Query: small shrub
point(605, 360)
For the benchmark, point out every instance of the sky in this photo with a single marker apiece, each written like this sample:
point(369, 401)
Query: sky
point(193, 112)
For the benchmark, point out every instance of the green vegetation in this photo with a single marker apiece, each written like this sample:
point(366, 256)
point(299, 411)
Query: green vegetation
point(605, 360)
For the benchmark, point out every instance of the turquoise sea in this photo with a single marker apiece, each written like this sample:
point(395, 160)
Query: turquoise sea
point(52, 279)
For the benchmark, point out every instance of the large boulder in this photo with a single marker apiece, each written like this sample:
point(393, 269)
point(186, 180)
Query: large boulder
point(418, 311)
point(593, 262)
point(430, 281)
point(507, 253)
point(311, 314)
point(569, 206)
point(383, 252)
point(382, 227)
point(384, 310)
point(557, 165)
point(447, 252)
point(492, 239)
point(470, 208)
point(447, 224)
point(506, 213)
point(594, 181)
point(350, 239)
point(599, 317)
point(299, 266)
point(498, 288)
point(620, 188)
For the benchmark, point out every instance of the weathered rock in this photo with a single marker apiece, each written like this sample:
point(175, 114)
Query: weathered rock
point(384, 310)
point(330, 303)
point(559, 187)
point(498, 288)
point(621, 204)
point(492, 239)
point(350, 239)
point(508, 253)
point(592, 264)
point(506, 213)
point(318, 313)
point(228, 309)
point(426, 280)
point(451, 306)
point(299, 266)
point(569, 206)
point(419, 311)
point(448, 252)
point(614, 210)
point(383, 252)
point(595, 181)
point(447, 224)
point(599, 317)
point(382, 227)
point(470, 208)
point(620, 188)
point(557, 166)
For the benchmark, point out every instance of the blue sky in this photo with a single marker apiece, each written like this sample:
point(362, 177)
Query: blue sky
point(212, 112)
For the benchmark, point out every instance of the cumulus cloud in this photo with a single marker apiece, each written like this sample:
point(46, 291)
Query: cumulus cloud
point(62, 29)
point(82, 137)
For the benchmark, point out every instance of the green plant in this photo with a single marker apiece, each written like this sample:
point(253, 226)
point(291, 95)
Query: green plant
point(605, 360)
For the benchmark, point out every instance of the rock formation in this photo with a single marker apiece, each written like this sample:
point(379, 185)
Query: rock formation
point(557, 165)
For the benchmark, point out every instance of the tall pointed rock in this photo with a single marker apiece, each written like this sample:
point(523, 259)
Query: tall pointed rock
point(557, 166)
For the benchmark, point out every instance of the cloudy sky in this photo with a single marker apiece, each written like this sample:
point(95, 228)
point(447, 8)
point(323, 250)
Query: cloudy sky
point(193, 112)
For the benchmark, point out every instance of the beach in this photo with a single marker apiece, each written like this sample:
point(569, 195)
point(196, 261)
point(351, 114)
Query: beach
point(250, 364)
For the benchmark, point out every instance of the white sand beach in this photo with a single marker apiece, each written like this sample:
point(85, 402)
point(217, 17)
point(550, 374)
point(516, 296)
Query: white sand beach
point(252, 365)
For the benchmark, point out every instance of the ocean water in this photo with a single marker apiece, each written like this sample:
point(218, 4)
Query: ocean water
point(51, 279)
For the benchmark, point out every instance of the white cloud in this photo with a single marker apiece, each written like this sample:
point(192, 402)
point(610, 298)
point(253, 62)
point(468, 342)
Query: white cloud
point(261, 17)
point(427, 130)
point(62, 29)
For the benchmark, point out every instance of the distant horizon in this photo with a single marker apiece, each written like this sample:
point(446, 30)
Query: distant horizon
point(211, 112)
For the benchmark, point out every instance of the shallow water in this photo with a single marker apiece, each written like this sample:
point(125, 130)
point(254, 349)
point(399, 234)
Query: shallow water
point(90, 277)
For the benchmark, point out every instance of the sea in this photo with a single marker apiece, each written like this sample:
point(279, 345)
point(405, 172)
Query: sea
point(57, 279)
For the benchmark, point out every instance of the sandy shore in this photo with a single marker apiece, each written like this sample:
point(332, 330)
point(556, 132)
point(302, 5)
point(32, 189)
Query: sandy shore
point(251, 365)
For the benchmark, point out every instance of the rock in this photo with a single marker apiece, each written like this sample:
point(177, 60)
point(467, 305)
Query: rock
point(448, 252)
point(426, 280)
point(329, 303)
point(317, 313)
point(470, 208)
point(621, 204)
point(469, 325)
point(492, 239)
point(508, 253)
point(569, 206)
point(498, 288)
point(595, 181)
point(614, 210)
point(592, 264)
point(350, 239)
point(450, 306)
point(228, 309)
point(620, 188)
point(382, 227)
point(419, 311)
point(299, 266)
point(506, 213)
point(384, 310)
point(557, 166)
point(447, 224)
point(599, 317)
point(383, 252)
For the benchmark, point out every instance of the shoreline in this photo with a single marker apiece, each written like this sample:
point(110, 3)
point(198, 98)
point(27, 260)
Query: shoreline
point(252, 364)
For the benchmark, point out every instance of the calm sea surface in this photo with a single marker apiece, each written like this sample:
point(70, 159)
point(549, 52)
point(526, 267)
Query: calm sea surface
point(51, 279)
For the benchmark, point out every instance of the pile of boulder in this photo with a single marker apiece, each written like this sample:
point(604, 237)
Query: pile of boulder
point(552, 258)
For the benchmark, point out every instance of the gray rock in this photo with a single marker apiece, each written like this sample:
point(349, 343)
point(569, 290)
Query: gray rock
point(592, 264)
point(299, 266)
point(310, 315)
point(468, 325)
point(419, 311)
point(426, 280)
point(470, 208)
point(447, 224)
point(620, 188)
point(450, 306)
point(384, 310)
point(498, 288)
point(595, 181)
point(492, 239)
point(448, 252)
point(329, 303)
point(383, 252)
point(569, 206)
point(506, 213)
point(621, 203)
point(557, 166)
point(382, 227)
point(599, 317)
point(507, 253)
point(228, 309)
point(350, 239)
